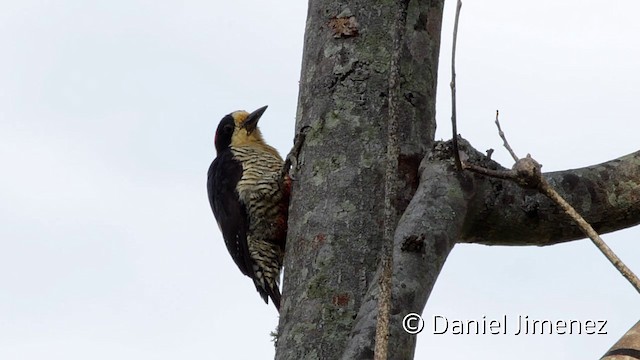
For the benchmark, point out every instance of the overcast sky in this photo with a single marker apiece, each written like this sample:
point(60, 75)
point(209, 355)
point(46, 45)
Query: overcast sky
point(108, 248)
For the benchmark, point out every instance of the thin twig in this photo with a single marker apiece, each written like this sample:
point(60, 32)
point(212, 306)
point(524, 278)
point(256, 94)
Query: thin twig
point(390, 190)
point(454, 127)
point(586, 228)
point(504, 138)
point(498, 174)
point(526, 172)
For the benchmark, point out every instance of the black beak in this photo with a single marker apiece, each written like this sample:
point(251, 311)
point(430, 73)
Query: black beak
point(251, 122)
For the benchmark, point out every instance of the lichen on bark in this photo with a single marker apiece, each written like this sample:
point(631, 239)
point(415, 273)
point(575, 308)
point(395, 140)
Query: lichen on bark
point(343, 98)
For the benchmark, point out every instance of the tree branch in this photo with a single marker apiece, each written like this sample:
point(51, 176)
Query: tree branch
point(586, 228)
point(504, 139)
point(527, 173)
point(607, 194)
point(450, 207)
point(333, 251)
point(628, 347)
point(454, 126)
point(426, 233)
point(390, 188)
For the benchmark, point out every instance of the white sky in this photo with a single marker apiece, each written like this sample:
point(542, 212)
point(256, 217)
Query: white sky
point(108, 248)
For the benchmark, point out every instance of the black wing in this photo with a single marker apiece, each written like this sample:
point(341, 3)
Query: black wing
point(223, 176)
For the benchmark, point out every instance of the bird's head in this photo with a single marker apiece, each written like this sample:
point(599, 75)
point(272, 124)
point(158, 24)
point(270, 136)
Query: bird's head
point(239, 128)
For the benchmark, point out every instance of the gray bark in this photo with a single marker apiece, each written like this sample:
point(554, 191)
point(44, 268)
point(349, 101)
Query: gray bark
point(451, 207)
point(628, 348)
point(607, 195)
point(337, 213)
point(336, 218)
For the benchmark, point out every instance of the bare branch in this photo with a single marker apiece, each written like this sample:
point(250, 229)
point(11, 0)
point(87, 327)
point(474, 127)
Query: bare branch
point(454, 126)
point(520, 217)
point(504, 139)
point(628, 347)
point(526, 172)
point(384, 310)
point(419, 252)
point(586, 228)
point(498, 174)
point(390, 189)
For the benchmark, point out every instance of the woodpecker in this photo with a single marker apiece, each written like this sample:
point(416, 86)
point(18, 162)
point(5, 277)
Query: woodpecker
point(250, 200)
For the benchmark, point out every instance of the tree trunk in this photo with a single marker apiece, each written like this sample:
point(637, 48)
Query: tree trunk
point(337, 212)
